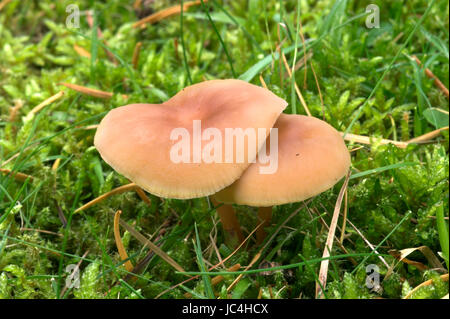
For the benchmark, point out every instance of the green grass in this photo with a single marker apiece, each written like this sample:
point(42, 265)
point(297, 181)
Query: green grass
point(397, 198)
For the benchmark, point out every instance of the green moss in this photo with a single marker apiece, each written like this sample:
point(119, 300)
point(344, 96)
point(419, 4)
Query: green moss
point(37, 53)
point(89, 283)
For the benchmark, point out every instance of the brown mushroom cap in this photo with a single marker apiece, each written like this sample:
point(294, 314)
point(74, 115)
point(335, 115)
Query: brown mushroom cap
point(135, 139)
point(312, 157)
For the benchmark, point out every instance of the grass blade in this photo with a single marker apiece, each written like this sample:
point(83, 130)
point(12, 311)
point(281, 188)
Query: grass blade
point(443, 232)
point(230, 62)
point(382, 169)
point(206, 280)
point(183, 45)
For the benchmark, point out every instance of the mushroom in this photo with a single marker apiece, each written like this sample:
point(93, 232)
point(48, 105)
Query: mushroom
point(151, 144)
point(312, 157)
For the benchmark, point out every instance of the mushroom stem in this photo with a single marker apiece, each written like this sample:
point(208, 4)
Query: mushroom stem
point(265, 216)
point(230, 223)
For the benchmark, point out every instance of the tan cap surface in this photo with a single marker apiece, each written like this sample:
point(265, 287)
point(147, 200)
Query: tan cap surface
point(312, 157)
point(135, 139)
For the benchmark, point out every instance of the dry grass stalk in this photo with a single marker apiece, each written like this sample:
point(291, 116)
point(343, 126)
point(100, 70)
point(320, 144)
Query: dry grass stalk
point(263, 83)
point(90, 21)
point(368, 243)
point(4, 3)
point(297, 90)
point(306, 56)
point(147, 243)
point(118, 190)
point(89, 127)
point(56, 164)
point(278, 49)
point(137, 4)
point(16, 175)
point(41, 231)
point(428, 136)
point(303, 61)
point(401, 255)
point(344, 222)
point(88, 91)
point(430, 74)
point(259, 293)
point(18, 153)
point(329, 243)
point(155, 17)
point(136, 52)
point(121, 249)
point(14, 110)
point(368, 140)
point(81, 51)
point(396, 254)
point(217, 279)
point(48, 101)
point(398, 37)
point(425, 283)
point(318, 89)
point(143, 196)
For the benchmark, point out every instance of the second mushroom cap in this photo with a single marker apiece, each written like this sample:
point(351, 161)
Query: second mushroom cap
point(312, 157)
